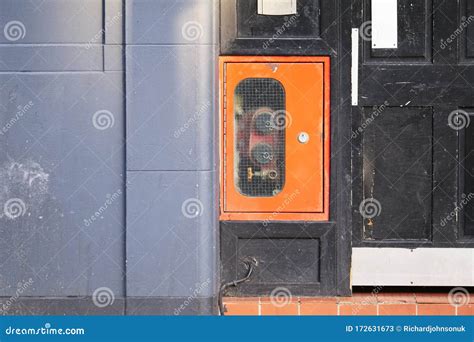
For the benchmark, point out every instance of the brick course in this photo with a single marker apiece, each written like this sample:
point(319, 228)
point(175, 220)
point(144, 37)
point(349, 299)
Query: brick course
point(359, 304)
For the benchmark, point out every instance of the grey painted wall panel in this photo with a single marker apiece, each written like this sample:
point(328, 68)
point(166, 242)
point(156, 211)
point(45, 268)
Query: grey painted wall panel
point(113, 57)
point(170, 22)
point(50, 21)
point(171, 107)
point(171, 133)
point(55, 163)
point(114, 22)
point(62, 138)
point(170, 248)
point(51, 58)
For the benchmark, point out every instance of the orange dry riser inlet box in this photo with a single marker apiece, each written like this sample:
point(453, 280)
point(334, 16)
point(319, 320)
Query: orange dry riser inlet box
point(274, 138)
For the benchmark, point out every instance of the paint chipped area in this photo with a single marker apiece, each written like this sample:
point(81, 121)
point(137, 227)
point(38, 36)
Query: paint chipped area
point(26, 181)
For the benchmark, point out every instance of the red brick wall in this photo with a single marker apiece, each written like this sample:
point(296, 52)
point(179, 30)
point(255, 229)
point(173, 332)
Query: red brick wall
point(358, 304)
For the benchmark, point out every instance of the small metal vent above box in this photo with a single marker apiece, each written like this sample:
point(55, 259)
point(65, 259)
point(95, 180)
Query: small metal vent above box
point(276, 7)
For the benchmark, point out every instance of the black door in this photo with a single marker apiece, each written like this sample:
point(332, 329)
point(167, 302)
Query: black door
point(412, 142)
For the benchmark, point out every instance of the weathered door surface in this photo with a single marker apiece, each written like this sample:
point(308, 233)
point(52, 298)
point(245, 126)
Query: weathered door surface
point(412, 142)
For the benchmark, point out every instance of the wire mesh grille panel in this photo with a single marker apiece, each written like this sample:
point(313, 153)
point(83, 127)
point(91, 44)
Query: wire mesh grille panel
point(260, 124)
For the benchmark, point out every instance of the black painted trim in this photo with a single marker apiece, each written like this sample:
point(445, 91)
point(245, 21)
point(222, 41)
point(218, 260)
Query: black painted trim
point(334, 40)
